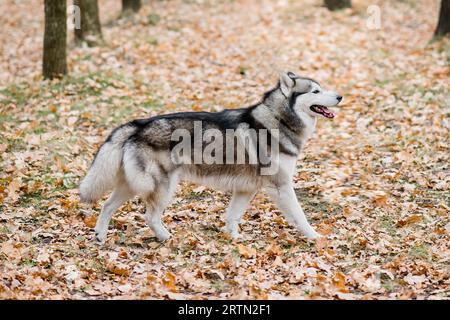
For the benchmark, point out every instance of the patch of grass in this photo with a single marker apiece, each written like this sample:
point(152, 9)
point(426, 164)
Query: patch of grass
point(98, 265)
point(388, 285)
point(389, 224)
point(15, 93)
point(153, 19)
point(15, 145)
point(91, 84)
point(152, 41)
point(29, 198)
point(313, 203)
point(218, 285)
point(153, 104)
point(4, 230)
point(420, 251)
point(39, 130)
point(382, 83)
point(29, 263)
point(6, 117)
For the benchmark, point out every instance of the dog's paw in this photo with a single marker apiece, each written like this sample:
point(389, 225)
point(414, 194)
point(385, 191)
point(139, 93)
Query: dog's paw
point(313, 235)
point(231, 231)
point(100, 238)
point(100, 234)
point(162, 235)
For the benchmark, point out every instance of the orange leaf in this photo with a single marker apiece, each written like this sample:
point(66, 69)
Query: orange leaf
point(410, 220)
point(169, 281)
point(246, 252)
point(90, 221)
point(124, 272)
point(380, 200)
point(339, 281)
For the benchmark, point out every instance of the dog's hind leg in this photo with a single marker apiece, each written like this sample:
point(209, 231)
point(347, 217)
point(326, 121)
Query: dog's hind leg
point(236, 210)
point(287, 202)
point(156, 203)
point(121, 194)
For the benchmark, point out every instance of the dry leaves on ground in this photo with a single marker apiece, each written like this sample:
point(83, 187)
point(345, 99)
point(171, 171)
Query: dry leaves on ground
point(375, 180)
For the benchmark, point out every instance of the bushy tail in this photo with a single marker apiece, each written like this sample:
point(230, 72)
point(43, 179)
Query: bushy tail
point(105, 168)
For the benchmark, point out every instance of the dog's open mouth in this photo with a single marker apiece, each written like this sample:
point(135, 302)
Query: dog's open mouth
point(327, 113)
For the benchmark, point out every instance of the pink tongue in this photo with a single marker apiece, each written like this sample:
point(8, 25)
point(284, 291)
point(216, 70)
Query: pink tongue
point(327, 112)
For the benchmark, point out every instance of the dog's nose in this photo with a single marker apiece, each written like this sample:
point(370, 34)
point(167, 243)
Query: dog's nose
point(339, 98)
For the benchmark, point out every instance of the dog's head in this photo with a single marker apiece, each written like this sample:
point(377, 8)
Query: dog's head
point(306, 95)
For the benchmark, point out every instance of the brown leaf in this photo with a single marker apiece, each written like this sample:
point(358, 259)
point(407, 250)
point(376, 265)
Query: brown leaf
point(246, 252)
point(274, 250)
point(90, 221)
point(339, 281)
point(14, 188)
point(119, 270)
point(410, 220)
point(169, 281)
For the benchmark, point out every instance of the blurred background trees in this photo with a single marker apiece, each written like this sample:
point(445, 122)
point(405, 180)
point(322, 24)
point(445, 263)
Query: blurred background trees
point(443, 27)
point(54, 61)
point(130, 6)
point(91, 30)
point(337, 4)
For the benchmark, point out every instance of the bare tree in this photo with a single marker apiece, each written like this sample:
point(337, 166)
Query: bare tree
point(91, 30)
point(443, 27)
point(130, 6)
point(54, 62)
point(337, 4)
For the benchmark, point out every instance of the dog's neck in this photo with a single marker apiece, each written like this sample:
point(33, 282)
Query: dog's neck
point(309, 123)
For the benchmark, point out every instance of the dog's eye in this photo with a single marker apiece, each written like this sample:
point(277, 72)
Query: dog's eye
point(316, 91)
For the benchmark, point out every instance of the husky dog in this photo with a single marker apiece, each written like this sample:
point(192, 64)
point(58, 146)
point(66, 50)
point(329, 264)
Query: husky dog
point(138, 157)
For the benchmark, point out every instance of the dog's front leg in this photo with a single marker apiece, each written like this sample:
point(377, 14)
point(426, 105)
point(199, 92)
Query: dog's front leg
point(235, 211)
point(286, 200)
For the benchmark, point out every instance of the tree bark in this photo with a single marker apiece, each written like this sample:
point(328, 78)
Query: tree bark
point(91, 30)
point(443, 27)
point(337, 4)
point(130, 6)
point(54, 62)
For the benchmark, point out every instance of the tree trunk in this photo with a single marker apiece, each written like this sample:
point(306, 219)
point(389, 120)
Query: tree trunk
point(337, 4)
point(130, 6)
point(91, 30)
point(54, 62)
point(443, 27)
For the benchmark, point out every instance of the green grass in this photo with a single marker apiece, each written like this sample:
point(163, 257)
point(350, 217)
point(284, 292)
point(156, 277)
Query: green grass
point(4, 230)
point(153, 19)
point(389, 224)
point(29, 263)
point(91, 84)
point(420, 251)
point(14, 145)
point(152, 41)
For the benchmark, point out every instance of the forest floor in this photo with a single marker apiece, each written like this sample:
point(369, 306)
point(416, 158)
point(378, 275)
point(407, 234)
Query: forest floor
point(375, 180)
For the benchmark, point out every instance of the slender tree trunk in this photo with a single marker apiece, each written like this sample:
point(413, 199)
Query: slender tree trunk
point(443, 27)
point(91, 30)
point(54, 63)
point(337, 4)
point(130, 6)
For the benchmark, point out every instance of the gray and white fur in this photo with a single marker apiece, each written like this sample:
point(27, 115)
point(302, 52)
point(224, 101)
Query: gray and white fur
point(136, 157)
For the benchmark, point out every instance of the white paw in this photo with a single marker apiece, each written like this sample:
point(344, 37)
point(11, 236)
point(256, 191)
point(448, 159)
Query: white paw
point(162, 234)
point(232, 231)
point(100, 237)
point(311, 234)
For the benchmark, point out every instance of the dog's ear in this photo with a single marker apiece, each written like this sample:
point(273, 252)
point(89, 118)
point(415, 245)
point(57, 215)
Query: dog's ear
point(287, 82)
